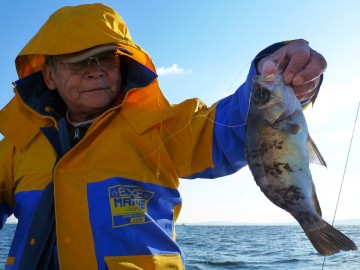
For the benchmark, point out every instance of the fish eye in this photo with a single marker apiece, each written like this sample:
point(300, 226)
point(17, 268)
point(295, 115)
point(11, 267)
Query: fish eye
point(261, 96)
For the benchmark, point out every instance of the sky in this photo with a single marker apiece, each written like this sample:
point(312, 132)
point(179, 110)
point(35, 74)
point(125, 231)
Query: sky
point(204, 49)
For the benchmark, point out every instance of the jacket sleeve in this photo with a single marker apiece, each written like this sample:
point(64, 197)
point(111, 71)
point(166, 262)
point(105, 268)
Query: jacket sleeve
point(6, 181)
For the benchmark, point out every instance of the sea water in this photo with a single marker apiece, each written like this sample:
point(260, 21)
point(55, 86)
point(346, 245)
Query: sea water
point(260, 247)
point(245, 247)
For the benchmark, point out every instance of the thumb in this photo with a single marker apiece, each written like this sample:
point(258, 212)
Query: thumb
point(269, 68)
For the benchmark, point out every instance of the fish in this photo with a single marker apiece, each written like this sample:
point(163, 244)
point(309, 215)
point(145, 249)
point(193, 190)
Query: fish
point(278, 150)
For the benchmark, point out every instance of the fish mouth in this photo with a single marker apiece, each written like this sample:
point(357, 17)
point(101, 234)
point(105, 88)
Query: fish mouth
point(267, 79)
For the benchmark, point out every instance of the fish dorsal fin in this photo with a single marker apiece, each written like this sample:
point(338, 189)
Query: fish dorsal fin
point(314, 153)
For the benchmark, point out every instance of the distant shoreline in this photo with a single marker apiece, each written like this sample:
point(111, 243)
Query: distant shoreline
point(348, 222)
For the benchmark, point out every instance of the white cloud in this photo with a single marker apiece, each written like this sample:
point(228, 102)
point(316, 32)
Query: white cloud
point(174, 69)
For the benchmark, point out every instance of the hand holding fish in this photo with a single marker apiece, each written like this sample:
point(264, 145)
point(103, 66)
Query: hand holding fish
point(301, 65)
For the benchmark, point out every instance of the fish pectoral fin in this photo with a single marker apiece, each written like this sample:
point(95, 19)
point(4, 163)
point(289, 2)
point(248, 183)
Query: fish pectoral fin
point(290, 128)
point(314, 153)
point(293, 128)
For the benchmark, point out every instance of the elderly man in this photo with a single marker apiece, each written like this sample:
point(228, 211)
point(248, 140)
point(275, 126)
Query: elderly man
point(92, 151)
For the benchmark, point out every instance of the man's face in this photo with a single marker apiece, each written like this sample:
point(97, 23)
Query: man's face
point(86, 88)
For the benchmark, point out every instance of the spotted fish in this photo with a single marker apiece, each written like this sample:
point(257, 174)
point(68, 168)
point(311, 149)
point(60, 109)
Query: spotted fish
point(278, 150)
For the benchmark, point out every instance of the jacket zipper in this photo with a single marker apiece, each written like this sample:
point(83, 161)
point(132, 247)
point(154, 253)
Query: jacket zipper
point(77, 134)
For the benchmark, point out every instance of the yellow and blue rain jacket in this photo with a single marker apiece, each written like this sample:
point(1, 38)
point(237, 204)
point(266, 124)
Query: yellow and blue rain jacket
point(113, 196)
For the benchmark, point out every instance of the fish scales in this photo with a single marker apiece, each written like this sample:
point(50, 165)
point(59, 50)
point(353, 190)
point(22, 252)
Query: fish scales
point(278, 150)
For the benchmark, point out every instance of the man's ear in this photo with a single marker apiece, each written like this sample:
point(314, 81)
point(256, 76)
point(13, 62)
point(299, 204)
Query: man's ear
point(49, 76)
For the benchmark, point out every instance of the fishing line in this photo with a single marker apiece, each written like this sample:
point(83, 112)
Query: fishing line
point(343, 177)
point(215, 246)
point(208, 112)
point(217, 242)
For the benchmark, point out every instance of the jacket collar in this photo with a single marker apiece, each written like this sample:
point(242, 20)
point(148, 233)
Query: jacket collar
point(27, 111)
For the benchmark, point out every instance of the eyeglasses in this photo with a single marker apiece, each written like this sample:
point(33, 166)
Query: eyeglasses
point(106, 61)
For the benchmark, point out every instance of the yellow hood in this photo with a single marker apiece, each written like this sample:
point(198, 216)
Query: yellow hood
point(76, 28)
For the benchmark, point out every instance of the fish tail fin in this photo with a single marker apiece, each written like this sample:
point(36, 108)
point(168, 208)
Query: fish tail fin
point(327, 240)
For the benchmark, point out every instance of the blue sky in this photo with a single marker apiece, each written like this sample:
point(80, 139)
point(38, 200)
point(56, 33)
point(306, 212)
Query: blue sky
point(203, 49)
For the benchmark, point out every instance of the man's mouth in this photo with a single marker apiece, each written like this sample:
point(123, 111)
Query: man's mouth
point(97, 89)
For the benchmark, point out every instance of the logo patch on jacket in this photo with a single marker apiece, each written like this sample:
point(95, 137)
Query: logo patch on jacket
point(129, 204)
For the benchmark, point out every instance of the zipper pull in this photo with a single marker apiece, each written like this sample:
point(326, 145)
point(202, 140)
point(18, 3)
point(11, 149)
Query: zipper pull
point(77, 134)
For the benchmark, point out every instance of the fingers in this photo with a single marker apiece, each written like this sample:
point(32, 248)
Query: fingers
point(305, 64)
point(306, 90)
point(311, 70)
point(290, 59)
point(301, 66)
point(297, 60)
point(298, 54)
point(304, 70)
